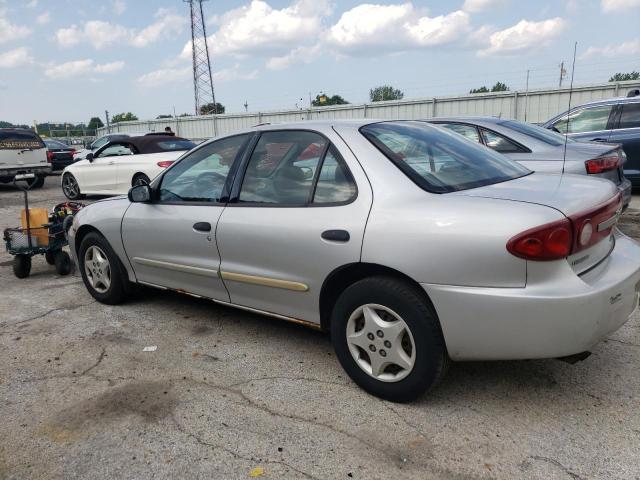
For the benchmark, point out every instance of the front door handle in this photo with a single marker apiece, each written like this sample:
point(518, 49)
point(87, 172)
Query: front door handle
point(336, 235)
point(202, 227)
point(599, 140)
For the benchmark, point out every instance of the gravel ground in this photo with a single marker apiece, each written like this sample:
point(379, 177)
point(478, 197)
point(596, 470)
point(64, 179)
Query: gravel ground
point(228, 394)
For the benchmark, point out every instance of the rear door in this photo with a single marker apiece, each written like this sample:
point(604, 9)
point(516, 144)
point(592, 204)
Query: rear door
point(21, 149)
point(171, 242)
point(294, 216)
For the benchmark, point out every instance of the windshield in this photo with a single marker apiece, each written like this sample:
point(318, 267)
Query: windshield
point(547, 136)
point(439, 161)
point(19, 139)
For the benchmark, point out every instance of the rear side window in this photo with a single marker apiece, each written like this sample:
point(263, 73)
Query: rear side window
point(335, 183)
point(499, 143)
point(171, 145)
point(630, 117)
point(585, 120)
point(468, 131)
point(19, 139)
point(438, 161)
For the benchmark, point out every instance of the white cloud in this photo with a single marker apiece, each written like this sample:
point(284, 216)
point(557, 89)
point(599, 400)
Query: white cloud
point(631, 47)
point(609, 6)
point(479, 5)
point(119, 7)
point(43, 19)
point(16, 58)
point(10, 31)
point(297, 55)
point(81, 67)
point(523, 36)
point(166, 23)
point(32, 4)
point(394, 28)
point(101, 34)
point(164, 76)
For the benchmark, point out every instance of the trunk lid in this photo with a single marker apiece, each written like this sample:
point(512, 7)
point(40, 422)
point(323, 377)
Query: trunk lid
point(580, 198)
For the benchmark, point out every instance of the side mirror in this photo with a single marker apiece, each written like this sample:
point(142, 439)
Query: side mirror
point(140, 194)
point(89, 156)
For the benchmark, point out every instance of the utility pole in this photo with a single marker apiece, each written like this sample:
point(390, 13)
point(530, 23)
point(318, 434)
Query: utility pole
point(106, 114)
point(202, 76)
point(563, 74)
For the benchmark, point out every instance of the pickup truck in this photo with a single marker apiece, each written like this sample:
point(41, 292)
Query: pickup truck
point(23, 151)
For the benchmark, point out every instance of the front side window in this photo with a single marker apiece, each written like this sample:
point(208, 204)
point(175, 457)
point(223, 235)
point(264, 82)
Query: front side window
point(468, 131)
point(116, 150)
point(439, 161)
point(282, 168)
point(585, 120)
point(201, 175)
point(499, 143)
point(630, 117)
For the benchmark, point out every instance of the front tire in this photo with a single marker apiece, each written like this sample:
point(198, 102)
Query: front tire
point(101, 270)
point(22, 266)
point(388, 339)
point(70, 187)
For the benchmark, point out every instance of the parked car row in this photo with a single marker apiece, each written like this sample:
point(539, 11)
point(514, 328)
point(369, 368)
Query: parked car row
point(411, 245)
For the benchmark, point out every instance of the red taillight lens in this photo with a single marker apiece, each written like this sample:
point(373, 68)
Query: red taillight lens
point(50, 156)
point(72, 152)
point(603, 164)
point(165, 163)
point(546, 242)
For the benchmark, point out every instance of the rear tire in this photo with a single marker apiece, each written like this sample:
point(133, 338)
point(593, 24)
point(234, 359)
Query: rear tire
point(70, 187)
point(37, 182)
point(103, 274)
point(62, 261)
point(391, 319)
point(22, 266)
point(140, 179)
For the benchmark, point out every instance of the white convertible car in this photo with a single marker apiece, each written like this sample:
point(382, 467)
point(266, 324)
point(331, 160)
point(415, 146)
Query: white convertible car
point(121, 163)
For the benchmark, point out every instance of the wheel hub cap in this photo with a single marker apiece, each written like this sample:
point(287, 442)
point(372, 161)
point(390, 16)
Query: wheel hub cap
point(97, 269)
point(381, 343)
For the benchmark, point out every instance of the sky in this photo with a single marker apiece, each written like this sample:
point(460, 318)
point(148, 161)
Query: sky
point(69, 60)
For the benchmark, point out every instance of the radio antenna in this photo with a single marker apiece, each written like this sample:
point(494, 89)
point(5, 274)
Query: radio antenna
point(566, 135)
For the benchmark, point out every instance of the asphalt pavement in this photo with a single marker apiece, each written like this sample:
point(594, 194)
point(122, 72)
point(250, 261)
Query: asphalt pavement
point(227, 394)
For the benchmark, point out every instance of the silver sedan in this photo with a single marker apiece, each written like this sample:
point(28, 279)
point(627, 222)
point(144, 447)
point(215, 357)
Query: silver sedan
point(408, 243)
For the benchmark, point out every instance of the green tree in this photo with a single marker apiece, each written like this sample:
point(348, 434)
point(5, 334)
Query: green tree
point(323, 100)
point(95, 123)
point(385, 92)
point(209, 108)
point(482, 89)
point(163, 116)
point(500, 87)
point(621, 77)
point(123, 117)
point(185, 115)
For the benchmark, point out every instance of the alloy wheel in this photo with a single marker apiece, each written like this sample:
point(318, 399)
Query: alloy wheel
point(381, 343)
point(70, 186)
point(97, 269)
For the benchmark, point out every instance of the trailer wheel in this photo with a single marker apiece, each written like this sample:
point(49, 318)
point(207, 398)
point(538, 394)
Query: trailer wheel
point(22, 266)
point(62, 262)
point(50, 257)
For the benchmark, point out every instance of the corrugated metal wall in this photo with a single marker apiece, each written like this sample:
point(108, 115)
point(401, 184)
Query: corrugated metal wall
point(534, 106)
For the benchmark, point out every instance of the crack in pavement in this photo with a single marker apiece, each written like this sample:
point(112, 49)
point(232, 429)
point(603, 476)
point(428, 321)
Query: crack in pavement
point(235, 454)
point(555, 462)
point(42, 315)
point(98, 362)
point(623, 342)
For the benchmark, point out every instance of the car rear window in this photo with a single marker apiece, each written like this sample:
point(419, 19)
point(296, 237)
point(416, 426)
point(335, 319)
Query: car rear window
point(439, 161)
point(15, 140)
point(547, 136)
point(170, 145)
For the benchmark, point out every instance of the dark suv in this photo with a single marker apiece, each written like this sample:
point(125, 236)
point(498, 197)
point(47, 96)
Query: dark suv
point(616, 120)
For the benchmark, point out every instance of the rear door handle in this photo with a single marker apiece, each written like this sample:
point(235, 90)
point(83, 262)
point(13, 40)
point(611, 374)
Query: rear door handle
point(202, 226)
point(336, 235)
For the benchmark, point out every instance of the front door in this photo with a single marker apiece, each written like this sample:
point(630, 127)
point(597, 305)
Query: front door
point(99, 174)
point(296, 216)
point(171, 241)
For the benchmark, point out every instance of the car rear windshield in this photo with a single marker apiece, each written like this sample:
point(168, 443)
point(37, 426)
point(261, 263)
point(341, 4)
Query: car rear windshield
point(19, 139)
point(547, 136)
point(439, 161)
point(170, 145)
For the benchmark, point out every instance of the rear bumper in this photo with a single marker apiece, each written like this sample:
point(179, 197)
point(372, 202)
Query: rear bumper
point(61, 163)
point(553, 318)
point(37, 169)
point(625, 188)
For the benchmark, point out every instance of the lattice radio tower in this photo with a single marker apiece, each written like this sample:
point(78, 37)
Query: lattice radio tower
point(202, 77)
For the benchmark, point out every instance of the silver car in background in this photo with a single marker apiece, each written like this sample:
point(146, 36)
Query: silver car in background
point(410, 244)
point(543, 150)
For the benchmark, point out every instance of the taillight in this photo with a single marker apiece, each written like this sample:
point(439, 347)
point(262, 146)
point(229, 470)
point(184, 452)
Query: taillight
point(50, 156)
point(562, 238)
point(551, 241)
point(72, 152)
point(165, 163)
point(609, 161)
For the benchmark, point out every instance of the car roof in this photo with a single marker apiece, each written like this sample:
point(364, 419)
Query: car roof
point(606, 101)
point(470, 119)
point(149, 143)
